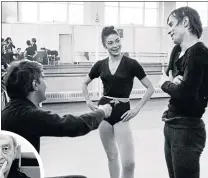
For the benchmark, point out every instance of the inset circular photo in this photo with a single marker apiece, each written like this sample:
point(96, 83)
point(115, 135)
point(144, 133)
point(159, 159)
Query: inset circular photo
point(18, 158)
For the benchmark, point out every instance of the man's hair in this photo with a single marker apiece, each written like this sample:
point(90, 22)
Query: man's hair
point(34, 40)
point(108, 31)
point(28, 42)
point(195, 24)
point(20, 76)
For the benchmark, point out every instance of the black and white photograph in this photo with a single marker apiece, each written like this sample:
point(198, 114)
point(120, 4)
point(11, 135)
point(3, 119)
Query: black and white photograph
point(19, 159)
point(107, 89)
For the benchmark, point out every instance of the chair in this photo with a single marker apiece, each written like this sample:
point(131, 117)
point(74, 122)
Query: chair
point(29, 165)
point(43, 57)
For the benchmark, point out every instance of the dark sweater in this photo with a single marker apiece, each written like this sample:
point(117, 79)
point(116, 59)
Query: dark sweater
point(121, 82)
point(14, 171)
point(21, 116)
point(189, 99)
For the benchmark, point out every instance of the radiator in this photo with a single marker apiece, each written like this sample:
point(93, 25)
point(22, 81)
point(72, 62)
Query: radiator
point(76, 96)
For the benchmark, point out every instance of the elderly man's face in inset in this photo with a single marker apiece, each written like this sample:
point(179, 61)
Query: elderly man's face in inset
point(7, 151)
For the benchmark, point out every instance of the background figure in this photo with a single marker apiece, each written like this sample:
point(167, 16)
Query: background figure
point(30, 52)
point(4, 61)
point(9, 50)
point(9, 165)
point(4, 97)
point(34, 45)
point(117, 73)
point(17, 55)
point(184, 130)
point(26, 87)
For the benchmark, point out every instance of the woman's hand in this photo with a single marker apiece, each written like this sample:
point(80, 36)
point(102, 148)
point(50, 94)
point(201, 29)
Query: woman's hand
point(91, 105)
point(130, 114)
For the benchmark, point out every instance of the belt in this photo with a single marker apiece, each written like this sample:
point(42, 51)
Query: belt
point(117, 100)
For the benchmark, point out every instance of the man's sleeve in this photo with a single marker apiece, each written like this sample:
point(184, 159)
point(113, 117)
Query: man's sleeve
point(190, 84)
point(44, 123)
point(172, 55)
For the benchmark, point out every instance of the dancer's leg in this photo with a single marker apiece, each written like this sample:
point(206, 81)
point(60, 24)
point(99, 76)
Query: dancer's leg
point(106, 131)
point(124, 140)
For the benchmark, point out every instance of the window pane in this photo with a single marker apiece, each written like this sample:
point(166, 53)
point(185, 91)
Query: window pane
point(79, 3)
point(181, 4)
point(131, 4)
point(28, 11)
point(150, 17)
point(111, 4)
point(201, 8)
point(53, 12)
point(203, 17)
point(198, 5)
point(76, 14)
point(131, 16)
point(111, 15)
point(151, 4)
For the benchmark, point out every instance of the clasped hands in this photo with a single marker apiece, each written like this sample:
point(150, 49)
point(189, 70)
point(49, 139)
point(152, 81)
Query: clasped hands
point(108, 109)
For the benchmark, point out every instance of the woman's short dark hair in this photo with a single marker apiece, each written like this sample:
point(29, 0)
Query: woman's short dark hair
point(195, 24)
point(20, 76)
point(108, 31)
point(33, 40)
point(28, 42)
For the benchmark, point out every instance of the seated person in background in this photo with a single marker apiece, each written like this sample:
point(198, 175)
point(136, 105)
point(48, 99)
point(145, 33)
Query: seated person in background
point(9, 167)
point(26, 86)
point(30, 53)
point(17, 54)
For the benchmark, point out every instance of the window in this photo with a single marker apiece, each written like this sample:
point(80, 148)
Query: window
point(131, 12)
point(137, 13)
point(131, 16)
point(200, 7)
point(76, 10)
point(151, 12)
point(28, 12)
point(181, 4)
point(53, 12)
point(111, 13)
point(150, 17)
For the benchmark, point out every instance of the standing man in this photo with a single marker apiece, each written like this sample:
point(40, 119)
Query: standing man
point(184, 129)
point(26, 86)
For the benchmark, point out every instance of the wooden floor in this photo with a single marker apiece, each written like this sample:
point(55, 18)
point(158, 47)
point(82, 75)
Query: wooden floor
point(85, 155)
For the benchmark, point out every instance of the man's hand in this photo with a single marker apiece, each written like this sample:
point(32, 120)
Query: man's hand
point(107, 109)
point(2, 170)
point(92, 106)
point(164, 78)
point(178, 79)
